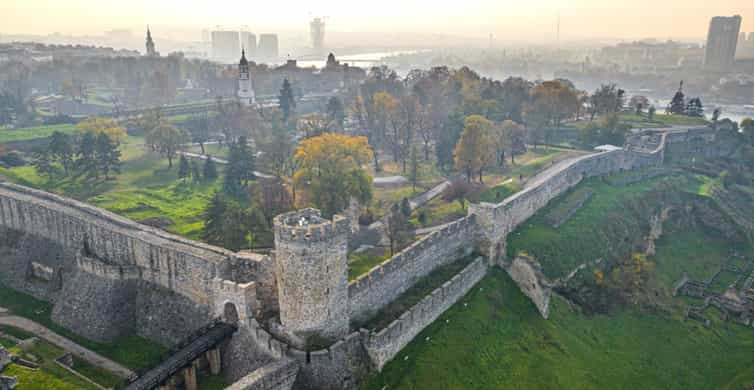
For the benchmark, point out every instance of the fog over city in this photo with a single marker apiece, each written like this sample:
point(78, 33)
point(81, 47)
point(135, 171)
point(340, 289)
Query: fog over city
point(507, 20)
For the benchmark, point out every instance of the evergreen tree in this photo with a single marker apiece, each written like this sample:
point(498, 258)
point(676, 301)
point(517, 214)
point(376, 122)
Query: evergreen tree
point(694, 108)
point(43, 164)
point(335, 111)
point(213, 220)
point(86, 156)
point(651, 112)
point(61, 150)
point(413, 173)
point(678, 104)
point(196, 172)
point(286, 100)
point(184, 170)
point(107, 155)
point(405, 207)
point(210, 169)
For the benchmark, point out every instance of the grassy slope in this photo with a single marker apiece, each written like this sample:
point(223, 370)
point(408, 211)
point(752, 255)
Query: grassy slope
point(131, 351)
point(50, 375)
point(29, 133)
point(498, 340)
point(495, 338)
point(582, 238)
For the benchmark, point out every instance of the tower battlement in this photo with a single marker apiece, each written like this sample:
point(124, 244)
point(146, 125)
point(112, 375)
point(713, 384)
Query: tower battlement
point(312, 273)
point(307, 225)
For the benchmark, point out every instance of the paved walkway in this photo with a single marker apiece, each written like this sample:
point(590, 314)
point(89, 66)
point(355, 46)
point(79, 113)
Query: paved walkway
point(64, 343)
point(221, 161)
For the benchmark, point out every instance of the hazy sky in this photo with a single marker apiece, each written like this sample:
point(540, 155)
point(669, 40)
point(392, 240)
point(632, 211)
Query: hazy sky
point(507, 19)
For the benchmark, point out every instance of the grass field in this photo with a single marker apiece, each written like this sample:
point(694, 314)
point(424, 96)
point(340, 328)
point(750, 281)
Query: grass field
point(131, 351)
point(584, 236)
point(145, 188)
point(51, 376)
point(494, 338)
point(30, 133)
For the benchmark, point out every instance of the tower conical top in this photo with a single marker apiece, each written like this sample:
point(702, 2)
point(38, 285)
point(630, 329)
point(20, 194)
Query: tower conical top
point(243, 57)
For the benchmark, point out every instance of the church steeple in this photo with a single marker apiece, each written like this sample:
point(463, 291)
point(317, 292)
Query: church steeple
point(150, 44)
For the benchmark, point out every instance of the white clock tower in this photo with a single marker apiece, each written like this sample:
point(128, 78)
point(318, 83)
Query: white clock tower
point(245, 91)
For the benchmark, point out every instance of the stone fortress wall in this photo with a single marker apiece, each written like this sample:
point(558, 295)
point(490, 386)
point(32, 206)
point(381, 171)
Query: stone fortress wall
point(108, 275)
point(387, 281)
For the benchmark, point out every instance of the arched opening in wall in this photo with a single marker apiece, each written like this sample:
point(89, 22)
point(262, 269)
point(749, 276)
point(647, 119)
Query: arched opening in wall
point(230, 313)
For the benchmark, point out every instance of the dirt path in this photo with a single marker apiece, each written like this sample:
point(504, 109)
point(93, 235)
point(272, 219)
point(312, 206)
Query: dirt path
point(64, 343)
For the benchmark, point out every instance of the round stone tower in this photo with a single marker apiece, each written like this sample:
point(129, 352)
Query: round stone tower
point(312, 273)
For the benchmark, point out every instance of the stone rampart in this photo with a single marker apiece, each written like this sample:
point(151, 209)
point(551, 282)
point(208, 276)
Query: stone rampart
point(183, 266)
point(388, 342)
point(387, 281)
point(497, 220)
point(278, 375)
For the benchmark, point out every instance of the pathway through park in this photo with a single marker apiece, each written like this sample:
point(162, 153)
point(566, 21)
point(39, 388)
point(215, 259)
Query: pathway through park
point(64, 343)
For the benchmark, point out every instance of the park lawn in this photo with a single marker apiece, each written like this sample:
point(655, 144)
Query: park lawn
point(132, 351)
point(438, 211)
point(50, 375)
point(30, 133)
point(214, 150)
point(145, 188)
point(384, 198)
point(429, 174)
point(494, 338)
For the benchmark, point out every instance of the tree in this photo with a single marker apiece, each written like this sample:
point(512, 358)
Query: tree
point(210, 169)
point(413, 174)
point(405, 207)
point(638, 103)
point(106, 126)
point(606, 99)
point(167, 140)
point(61, 150)
point(747, 129)
point(149, 121)
point(515, 96)
point(184, 169)
point(474, 149)
point(107, 155)
point(336, 113)
point(397, 228)
point(196, 172)
point(716, 114)
point(286, 101)
point(231, 225)
point(458, 190)
point(241, 166)
point(198, 126)
point(43, 164)
point(651, 112)
point(678, 104)
point(694, 108)
point(86, 159)
point(610, 130)
point(514, 138)
point(331, 166)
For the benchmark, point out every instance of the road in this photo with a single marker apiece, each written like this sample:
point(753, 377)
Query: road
point(64, 343)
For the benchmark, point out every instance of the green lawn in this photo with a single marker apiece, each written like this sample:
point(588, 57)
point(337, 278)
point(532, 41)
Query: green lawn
point(145, 188)
point(51, 376)
point(594, 231)
point(494, 338)
point(30, 133)
point(132, 351)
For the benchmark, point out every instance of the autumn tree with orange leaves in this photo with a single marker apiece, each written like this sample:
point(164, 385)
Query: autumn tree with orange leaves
point(330, 166)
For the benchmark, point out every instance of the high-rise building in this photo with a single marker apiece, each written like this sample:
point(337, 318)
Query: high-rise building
point(245, 90)
point(249, 42)
point(722, 39)
point(267, 50)
point(225, 46)
point(317, 32)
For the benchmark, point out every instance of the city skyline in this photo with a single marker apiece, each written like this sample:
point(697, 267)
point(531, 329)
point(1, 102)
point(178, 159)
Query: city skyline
point(533, 21)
